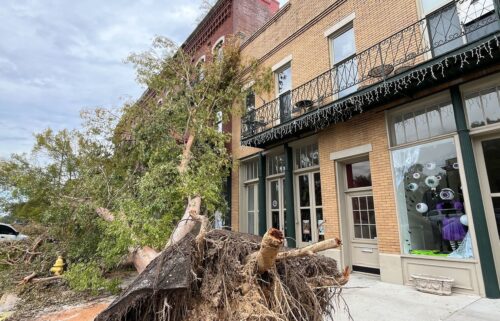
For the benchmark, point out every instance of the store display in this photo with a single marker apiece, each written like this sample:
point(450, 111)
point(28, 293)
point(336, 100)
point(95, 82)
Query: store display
point(430, 198)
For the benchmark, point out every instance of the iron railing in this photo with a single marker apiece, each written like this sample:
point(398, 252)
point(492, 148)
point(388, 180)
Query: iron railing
point(452, 26)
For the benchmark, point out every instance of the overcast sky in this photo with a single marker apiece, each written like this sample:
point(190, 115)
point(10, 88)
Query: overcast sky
point(59, 56)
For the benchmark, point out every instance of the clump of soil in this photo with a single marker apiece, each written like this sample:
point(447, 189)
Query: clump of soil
point(215, 282)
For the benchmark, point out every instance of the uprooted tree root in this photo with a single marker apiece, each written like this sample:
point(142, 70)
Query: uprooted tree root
point(215, 283)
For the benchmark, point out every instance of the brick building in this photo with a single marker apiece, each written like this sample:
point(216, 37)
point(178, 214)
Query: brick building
point(383, 129)
point(239, 18)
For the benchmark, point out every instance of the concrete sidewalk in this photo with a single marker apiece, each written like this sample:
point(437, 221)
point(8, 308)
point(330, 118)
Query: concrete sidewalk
point(369, 299)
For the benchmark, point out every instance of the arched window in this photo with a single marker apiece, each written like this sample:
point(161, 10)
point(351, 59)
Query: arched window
point(199, 64)
point(217, 50)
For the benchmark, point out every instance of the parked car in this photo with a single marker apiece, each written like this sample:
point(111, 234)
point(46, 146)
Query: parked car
point(9, 234)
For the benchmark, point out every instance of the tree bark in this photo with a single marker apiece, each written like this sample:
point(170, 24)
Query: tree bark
point(311, 249)
point(141, 257)
point(187, 223)
point(186, 154)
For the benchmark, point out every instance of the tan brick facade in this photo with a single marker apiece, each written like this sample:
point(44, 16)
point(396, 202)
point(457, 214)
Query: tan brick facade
point(299, 30)
point(300, 35)
point(368, 128)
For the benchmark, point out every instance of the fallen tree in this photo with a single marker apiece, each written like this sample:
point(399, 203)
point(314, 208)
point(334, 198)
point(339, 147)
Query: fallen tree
point(223, 275)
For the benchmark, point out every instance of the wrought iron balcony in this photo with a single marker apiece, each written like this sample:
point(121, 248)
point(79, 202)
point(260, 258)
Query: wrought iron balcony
point(452, 26)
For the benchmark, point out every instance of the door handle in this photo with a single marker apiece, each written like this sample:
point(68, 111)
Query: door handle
point(367, 250)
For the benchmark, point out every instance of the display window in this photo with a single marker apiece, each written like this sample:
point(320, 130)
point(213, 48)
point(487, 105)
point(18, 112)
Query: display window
point(430, 199)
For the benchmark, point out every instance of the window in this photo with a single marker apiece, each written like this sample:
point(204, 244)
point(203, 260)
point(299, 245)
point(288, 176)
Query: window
point(218, 121)
point(250, 100)
point(252, 208)
point(363, 212)
point(7, 230)
point(250, 196)
point(276, 164)
point(483, 107)
point(424, 122)
point(252, 170)
point(430, 200)
point(310, 207)
point(307, 156)
point(218, 50)
point(251, 124)
point(284, 85)
point(200, 66)
point(343, 53)
point(358, 174)
point(472, 18)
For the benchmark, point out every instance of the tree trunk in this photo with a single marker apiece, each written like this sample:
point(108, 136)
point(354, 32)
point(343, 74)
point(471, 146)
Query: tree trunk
point(141, 257)
point(187, 223)
point(269, 248)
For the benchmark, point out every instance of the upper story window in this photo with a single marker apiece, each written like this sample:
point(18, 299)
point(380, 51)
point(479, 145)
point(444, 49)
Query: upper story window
point(276, 164)
point(284, 87)
point(307, 156)
point(218, 121)
point(343, 49)
point(433, 118)
point(250, 100)
point(217, 50)
point(449, 20)
point(483, 106)
point(200, 66)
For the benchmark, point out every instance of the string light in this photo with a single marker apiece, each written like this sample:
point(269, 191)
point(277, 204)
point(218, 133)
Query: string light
point(346, 109)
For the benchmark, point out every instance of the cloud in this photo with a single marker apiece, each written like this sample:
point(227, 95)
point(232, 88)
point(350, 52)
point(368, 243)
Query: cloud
point(59, 56)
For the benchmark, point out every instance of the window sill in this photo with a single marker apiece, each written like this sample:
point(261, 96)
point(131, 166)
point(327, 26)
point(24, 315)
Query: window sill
point(439, 258)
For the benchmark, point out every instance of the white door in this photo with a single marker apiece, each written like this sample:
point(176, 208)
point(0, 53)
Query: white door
point(488, 158)
point(309, 209)
point(362, 232)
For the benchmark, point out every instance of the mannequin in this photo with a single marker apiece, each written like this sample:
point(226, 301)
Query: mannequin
point(452, 229)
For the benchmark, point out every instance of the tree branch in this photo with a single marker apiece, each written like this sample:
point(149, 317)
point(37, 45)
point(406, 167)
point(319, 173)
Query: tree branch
point(311, 249)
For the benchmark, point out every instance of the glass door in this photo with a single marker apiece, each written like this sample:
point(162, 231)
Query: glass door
point(277, 210)
point(309, 209)
point(252, 209)
point(489, 172)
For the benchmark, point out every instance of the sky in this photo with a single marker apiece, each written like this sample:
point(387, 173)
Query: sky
point(58, 57)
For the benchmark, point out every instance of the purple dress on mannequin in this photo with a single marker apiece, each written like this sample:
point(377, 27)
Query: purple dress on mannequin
point(453, 230)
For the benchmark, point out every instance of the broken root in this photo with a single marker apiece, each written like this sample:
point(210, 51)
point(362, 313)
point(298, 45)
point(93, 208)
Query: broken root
point(181, 285)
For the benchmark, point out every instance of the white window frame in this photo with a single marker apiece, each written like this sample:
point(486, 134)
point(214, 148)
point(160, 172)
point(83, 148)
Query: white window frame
point(340, 30)
point(247, 183)
point(468, 210)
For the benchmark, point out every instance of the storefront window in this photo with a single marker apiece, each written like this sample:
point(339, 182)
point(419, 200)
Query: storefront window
point(430, 200)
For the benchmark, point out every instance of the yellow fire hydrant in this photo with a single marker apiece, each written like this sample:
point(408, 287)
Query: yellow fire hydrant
point(58, 267)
